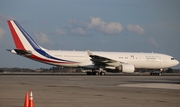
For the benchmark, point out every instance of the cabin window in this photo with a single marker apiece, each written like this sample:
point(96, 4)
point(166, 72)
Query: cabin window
point(72, 56)
point(121, 57)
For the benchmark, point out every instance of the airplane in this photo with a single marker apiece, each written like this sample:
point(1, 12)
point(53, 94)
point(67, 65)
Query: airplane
point(97, 62)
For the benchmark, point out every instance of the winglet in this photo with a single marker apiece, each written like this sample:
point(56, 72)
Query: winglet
point(89, 52)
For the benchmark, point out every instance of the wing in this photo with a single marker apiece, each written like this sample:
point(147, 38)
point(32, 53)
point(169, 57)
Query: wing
point(103, 60)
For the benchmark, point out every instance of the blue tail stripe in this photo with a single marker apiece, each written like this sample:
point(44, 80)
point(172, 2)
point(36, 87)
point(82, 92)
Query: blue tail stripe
point(35, 45)
point(30, 40)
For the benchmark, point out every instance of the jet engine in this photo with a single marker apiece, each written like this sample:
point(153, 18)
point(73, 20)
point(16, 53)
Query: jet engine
point(126, 68)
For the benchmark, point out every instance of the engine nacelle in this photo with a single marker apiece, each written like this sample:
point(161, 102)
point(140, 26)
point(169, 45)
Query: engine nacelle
point(126, 68)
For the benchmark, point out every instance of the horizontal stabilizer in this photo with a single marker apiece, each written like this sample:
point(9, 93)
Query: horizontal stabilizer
point(20, 52)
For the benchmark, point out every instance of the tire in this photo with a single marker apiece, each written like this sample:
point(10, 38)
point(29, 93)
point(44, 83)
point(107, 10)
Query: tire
point(102, 73)
point(97, 73)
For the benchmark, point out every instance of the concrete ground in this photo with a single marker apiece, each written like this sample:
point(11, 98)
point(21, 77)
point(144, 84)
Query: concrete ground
point(90, 91)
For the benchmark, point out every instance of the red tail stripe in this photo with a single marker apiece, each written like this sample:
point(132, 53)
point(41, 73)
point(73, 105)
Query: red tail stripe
point(46, 60)
point(16, 39)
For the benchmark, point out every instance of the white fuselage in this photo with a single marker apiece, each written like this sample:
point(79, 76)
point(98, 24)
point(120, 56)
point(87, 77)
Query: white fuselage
point(139, 60)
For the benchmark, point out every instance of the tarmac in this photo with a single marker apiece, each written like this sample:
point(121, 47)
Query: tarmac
point(90, 91)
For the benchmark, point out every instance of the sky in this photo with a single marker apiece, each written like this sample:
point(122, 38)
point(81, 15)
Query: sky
point(96, 25)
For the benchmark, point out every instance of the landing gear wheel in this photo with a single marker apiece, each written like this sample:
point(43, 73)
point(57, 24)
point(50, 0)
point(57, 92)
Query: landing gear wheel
point(102, 73)
point(96, 73)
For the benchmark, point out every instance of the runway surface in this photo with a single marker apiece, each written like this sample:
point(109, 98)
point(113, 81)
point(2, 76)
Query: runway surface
point(90, 91)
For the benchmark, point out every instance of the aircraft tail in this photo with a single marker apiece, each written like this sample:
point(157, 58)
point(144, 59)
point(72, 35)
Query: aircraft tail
point(21, 38)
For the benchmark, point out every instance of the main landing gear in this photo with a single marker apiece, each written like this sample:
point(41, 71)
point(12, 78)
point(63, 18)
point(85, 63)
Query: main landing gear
point(94, 72)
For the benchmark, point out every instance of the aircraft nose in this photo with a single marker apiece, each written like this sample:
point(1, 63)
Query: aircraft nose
point(176, 62)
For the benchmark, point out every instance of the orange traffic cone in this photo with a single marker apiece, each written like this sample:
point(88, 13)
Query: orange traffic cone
point(31, 103)
point(26, 101)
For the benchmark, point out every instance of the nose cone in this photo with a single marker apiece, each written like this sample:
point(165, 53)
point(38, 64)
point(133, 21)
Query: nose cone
point(176, 62)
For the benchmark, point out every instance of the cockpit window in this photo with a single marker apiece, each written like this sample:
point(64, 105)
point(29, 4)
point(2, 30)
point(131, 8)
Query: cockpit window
point(172, 59)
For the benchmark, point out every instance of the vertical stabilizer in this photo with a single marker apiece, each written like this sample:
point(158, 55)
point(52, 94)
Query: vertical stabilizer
point(21, 38)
